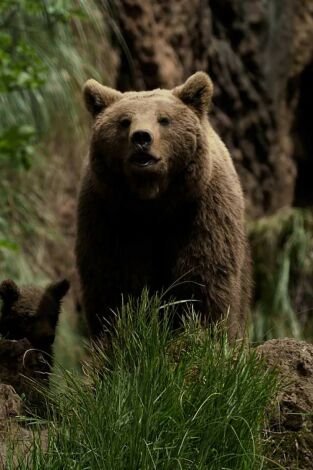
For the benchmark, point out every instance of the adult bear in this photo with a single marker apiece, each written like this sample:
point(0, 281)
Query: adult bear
point(160, 202)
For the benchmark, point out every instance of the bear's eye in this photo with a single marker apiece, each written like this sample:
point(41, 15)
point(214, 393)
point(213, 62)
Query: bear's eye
point(125, 122)
point(164, 121)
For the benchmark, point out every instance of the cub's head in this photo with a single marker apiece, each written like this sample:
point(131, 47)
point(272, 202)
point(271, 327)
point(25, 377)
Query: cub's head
point(143, 140)
point(31, 312)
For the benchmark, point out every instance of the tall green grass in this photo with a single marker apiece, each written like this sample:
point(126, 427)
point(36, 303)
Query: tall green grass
point(282, 248)
point(48, 49)
point(158, 400)
point(61, 39)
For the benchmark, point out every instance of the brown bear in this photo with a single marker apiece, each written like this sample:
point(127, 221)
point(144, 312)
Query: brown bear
point(31, 313)
point(160, 204)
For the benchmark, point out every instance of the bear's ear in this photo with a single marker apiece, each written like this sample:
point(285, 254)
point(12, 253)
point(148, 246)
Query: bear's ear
point(196, 92)
point(58, 289)
point(9, 292)
point(98, 97)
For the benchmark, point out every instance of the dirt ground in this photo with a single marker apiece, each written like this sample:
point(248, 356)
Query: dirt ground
point(290, 432)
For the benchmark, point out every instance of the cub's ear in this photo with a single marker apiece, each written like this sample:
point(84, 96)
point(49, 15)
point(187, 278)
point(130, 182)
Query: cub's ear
point(196, 93)
point(98, 97)
point(59, 289)
point(9, 292)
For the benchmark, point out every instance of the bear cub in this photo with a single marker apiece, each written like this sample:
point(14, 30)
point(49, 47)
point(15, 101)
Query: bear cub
point(32, 313)
point(160, 202)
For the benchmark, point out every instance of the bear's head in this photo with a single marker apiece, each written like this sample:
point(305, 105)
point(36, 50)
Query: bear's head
point(31, 312)
point(145, 141)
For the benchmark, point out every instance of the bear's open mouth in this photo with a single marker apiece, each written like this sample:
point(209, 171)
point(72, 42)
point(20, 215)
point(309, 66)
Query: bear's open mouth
point(143, 159)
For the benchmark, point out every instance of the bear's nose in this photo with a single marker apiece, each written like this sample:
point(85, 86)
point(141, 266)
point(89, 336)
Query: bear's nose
point(142, 139)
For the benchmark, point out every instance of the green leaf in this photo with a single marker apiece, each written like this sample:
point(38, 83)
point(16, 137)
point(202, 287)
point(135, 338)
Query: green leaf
point(8, 245)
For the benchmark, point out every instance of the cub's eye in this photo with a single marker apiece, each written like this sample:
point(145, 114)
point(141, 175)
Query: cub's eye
point(164, 121)
point(125, 122)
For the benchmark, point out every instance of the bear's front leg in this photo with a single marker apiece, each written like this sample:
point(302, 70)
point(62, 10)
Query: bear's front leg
point(212, 278)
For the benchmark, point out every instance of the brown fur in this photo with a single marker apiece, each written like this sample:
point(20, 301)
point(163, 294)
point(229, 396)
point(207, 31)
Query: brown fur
point(181, 217)
point(31, 313)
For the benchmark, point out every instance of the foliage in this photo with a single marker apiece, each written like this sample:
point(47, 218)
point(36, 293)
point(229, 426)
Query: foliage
point(282, 247)
point(22, 67)
point(45, 56)
point(16, 146)
point(39, 56)
point(159, 400)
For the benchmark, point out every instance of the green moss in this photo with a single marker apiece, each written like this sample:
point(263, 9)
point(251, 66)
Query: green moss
point(282, 249)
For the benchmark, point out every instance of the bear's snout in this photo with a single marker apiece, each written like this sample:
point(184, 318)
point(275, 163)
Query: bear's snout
point(142, 139)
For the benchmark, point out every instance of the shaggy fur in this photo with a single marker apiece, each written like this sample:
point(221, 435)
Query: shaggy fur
point(31, 313)
point(153, 213)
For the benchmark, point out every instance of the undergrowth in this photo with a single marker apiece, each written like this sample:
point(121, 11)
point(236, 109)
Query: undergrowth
point(282, 248)
point(48, 49)
point(159, 400)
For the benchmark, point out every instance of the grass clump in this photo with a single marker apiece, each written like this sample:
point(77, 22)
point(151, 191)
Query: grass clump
point(159, 400)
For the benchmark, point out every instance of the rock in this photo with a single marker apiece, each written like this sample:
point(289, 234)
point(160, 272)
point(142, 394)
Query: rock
point(10, 407)
point(290, 433)
point(12, 434)
point(10, 402)
point(260, 57)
